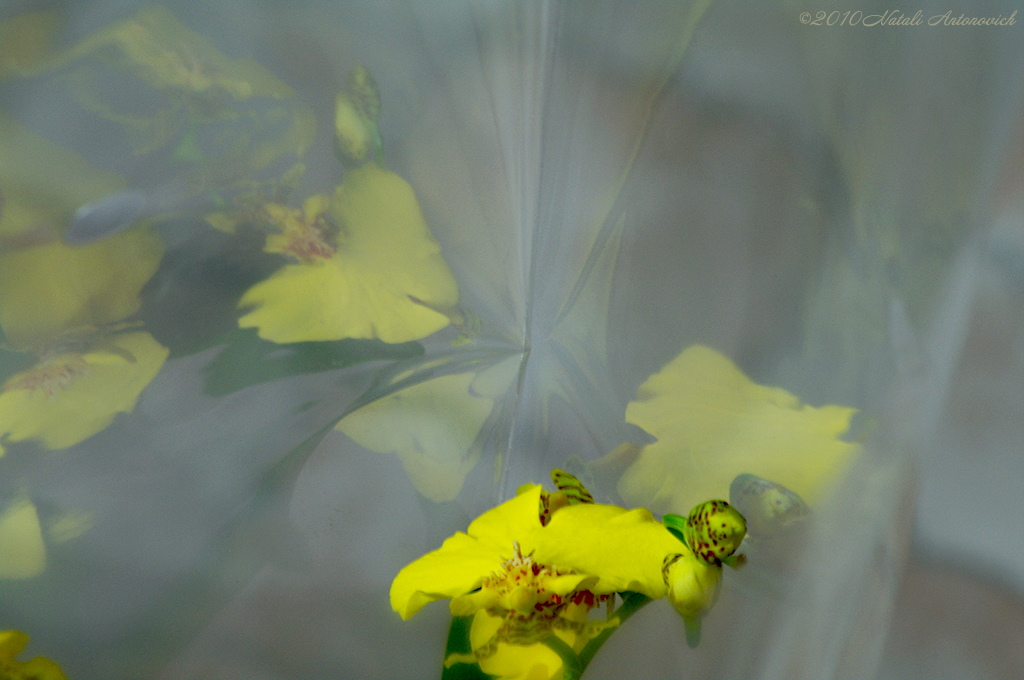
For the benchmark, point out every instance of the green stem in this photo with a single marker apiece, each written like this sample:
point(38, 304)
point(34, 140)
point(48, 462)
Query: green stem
point(631, 604)
point(572, 669)
point(574, 664)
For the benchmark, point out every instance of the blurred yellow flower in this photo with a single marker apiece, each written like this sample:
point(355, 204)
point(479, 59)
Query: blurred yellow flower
point(52, 288)
point(367, 267)
point(48, 288)
point(70, 396)
point(712, 423)
point(432, 426)
point(41, 186)
point(154, 52)
point(12, 642)
point(22, 552)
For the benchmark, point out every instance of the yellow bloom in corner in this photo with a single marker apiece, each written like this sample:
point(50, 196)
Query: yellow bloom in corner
point(524, 581)
point(70, 396)
point(366, 267)
point(712, 423)
point(12, 642)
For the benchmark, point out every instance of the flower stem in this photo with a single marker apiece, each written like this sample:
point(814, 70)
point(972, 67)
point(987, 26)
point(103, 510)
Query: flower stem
point(572, 669)
point(631, 603)
point(574, 664)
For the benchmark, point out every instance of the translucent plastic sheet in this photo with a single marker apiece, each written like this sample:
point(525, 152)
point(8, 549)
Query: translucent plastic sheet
point(204, 474)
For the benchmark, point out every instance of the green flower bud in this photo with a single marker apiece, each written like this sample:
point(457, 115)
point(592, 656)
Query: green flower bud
point(365, 94)
point(354, 136)
point(693, 586)
point(714, 531)
point(356, 112)
point(770, 508)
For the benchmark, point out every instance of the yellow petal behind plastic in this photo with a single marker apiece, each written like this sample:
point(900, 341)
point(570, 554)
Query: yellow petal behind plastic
point(52, 288)
point(713, 423)
point(67, 398)
point(43, 184)
point(12, 642)
point(22, 552)
point(431, 426)
point(387, 279)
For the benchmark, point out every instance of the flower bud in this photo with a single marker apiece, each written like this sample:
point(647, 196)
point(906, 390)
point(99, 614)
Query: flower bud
point(692, 589)
point(714, 531)
point(770, 508)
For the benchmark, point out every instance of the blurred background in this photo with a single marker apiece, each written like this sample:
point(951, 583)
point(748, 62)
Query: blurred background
point(837, 209)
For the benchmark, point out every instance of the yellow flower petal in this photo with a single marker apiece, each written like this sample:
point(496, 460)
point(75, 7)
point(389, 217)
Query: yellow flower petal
point(516, 662)
point(25, 40)
point(42, 184)
point(39, 668)
point(22, 553)
point(387, 279)
point(623, 548)
point(68, 398)
point(713, 423)
point(52, 288)
point(11, 644)
point(431, 426)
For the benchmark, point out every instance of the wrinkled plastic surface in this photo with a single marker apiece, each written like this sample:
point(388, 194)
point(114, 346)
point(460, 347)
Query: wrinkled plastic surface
point(609, 183)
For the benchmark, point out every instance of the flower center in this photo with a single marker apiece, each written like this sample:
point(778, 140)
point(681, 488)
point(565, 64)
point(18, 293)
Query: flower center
point(521, 588)
point(522, 594)
point(50, 375)
point(311, 239)
point(306, 237)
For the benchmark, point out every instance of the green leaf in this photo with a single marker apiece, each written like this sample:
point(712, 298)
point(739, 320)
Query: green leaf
point(458, 643)
point(676, 525)
point(247, 360)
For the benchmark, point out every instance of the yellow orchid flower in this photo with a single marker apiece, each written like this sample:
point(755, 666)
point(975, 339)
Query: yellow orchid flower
point(12, 642)
point(70, 396)
point(525, 615)
point(367, 267)
point(712, 424)
point(538, 579)
point(622, 550)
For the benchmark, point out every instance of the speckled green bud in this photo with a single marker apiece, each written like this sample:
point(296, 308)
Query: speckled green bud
point(770, 508)
point(365, 94)
point(356, 112)
point(353, 137)
point(714, 530)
